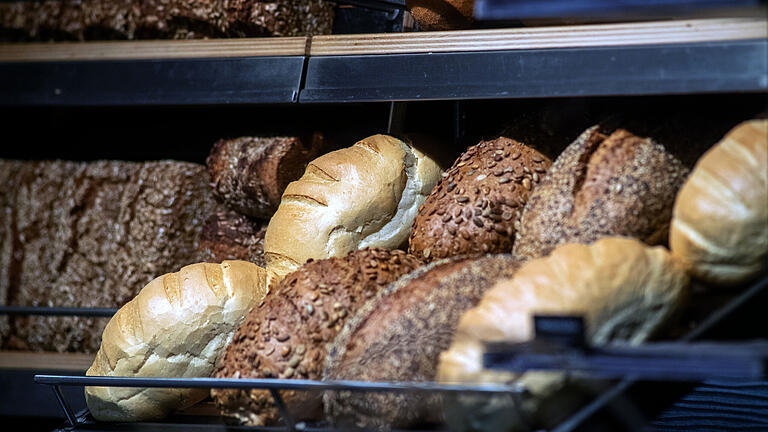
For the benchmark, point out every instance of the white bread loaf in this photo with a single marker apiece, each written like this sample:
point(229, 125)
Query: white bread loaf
point(624, 289)
point(720, 219)
point(174, 328)
point(362, 196)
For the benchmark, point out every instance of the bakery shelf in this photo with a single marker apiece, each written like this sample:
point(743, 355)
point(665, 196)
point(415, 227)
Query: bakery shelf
point(651, 58)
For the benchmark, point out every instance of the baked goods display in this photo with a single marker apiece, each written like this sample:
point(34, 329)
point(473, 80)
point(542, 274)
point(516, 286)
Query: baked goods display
point(91, 234)
point(362, 196)
point(433, 15)
point(399, 335)
point(476, 207)
point(174, 327)
point(228, 235)
point(153, 19)
point(720, 219)
point(624, 289)
point(287, 335)
point(602, 185)
point(249, 174)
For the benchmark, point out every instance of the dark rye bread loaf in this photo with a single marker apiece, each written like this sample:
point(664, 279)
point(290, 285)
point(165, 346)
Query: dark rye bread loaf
point(228, 235)
point(92, 235)
point(602, 185)
point(399, 337)
point(161, 19)
point(249, 174)
point(288, 335)
point(476, 206)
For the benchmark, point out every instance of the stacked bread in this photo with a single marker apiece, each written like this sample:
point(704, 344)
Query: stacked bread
point(154, 19)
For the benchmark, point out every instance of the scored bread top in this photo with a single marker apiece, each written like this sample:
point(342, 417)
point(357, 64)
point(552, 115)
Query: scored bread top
point(174, 327)
point(362, 196)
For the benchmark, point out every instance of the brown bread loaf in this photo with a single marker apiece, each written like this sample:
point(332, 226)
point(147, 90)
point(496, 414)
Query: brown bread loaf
point(228, 235)
point(161, 19)
point(174, 328)
point(602, 185)
point(720, 221)
point(92, 235)
point(399, 335)
point(287, 336)
point(433, 15)
point(624, 289)
point(249, 174)
point(476, 207)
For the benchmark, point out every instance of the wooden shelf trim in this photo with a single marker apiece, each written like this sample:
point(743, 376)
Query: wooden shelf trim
point(45, 361)
point(161, 49)
point(659, 32)
point(644, 33)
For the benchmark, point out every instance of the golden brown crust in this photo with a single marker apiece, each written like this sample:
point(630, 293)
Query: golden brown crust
point(286, 336)
point(174, 327)
point(624, 289)
point(601, 186)
point(362, 196)
point(399, 335)
point(476, 207)
point(720, 222)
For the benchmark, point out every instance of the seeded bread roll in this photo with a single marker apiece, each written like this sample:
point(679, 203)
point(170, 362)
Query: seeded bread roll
point(433, 15)
point(624, 289)
point(228, 235)
point(720, 222)
point(287, 336)
point(399, 336)
point(362, 196)
point(476, 208)
point(249, 174)
point(602, 186)
point(174, 327)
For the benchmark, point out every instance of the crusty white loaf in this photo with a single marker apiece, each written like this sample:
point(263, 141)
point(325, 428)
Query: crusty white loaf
point(720, 219)
point(623, 288)
point(175, 327)
point(362, 196)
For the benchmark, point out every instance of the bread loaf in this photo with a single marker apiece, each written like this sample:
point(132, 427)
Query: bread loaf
point(433, 15)
point(154, 19)
point(249, 174)
point(476, 207)
point(175, 327)
point(286, 337)
point(77, 234)
point(228, 235)
point(399, 336)
point(602, 185)
point(624, 290)
point(720, 220)
point(362, 196)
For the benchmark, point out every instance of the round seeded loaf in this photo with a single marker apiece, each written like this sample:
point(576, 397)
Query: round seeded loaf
point(720, 221)
point(399, 335)
point(624, 289)
point(602, 185)
point(433, 15)
point(287, 336)
point(476, 207)
point(362, 196)
point(175, 327)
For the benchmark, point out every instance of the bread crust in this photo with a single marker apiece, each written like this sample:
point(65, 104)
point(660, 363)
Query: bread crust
point(287, 336)
point(436, 15)
point(475, 208)
point(399, 335)
point(624, 289)
point(362, 196)
point(602, 185)
point(720, 220)
point(228, 235)
point(174, 327)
